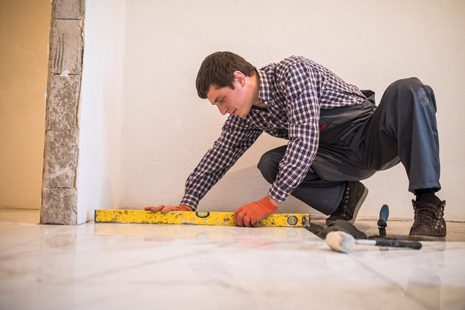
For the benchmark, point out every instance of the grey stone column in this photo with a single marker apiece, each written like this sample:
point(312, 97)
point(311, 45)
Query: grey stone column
point(66, 47)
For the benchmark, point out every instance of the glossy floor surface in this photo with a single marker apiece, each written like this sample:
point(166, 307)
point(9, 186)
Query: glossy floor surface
point(132, 266)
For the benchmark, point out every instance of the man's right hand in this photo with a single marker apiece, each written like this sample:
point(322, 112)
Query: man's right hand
point(164, 208)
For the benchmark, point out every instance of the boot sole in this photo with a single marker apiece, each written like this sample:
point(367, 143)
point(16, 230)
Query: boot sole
point(425, 238)
point(359, 205)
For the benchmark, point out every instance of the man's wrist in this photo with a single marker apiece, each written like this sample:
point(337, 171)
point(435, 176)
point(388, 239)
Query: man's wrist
point(190, 208)
point(274, 202)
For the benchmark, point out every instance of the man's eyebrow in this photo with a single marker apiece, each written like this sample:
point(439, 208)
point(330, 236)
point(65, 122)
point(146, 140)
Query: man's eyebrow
point(217, 98)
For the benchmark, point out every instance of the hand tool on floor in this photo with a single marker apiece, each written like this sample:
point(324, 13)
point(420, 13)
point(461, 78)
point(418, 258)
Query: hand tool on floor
point(342, 242)
point(195, 218)
point(382, 222)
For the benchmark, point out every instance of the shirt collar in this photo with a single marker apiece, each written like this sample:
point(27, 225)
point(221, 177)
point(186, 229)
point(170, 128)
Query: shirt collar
point(264, 92)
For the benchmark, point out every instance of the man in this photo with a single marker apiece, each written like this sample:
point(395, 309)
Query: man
point(337, 136)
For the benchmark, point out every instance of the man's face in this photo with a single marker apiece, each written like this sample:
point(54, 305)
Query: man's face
point(231, 101)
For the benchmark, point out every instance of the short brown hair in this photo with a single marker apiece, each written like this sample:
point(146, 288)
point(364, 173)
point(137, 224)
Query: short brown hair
point(218, 70)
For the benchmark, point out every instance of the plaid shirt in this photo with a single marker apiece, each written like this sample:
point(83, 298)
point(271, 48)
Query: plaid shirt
point(294, 91)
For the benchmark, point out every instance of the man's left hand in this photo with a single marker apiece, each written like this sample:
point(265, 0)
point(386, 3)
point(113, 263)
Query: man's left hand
point(165, 208)
point(252, 213)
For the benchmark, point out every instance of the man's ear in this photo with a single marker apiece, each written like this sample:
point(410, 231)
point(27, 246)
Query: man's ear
point(240, 77)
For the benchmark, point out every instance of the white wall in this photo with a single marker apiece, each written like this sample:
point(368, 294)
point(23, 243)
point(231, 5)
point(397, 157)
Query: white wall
point(166, 128)
point(101, 105)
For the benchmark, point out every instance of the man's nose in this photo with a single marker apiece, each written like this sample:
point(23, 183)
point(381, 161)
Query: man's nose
point(223, 110)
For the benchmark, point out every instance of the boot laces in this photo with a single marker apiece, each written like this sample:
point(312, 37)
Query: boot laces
point(428, 215)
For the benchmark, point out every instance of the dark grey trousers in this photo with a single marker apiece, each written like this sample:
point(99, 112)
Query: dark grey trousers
point(355, 142)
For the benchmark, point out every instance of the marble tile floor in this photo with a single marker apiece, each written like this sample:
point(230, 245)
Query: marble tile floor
point(132, 266)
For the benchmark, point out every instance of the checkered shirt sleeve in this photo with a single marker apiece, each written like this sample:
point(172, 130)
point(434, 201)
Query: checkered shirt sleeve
point(303, 112)
point(303, 88)
point(236, 137)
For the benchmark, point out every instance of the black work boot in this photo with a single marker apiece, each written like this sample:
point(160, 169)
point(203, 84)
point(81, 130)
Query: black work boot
point(353, 198)
point(429, 223)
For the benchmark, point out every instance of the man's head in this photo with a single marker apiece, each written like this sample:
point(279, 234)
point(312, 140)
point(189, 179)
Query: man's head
point(218, 70)
point(228, 82)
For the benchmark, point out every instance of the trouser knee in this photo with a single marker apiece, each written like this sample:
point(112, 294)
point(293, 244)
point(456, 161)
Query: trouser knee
point(413, 93)
point(406, 83)
point(269, 166)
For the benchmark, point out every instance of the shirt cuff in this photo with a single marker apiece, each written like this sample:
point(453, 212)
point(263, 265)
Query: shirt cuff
point(278, 194)
point(190, 201)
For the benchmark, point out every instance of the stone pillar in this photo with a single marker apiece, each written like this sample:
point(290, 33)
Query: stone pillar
point(66, 47)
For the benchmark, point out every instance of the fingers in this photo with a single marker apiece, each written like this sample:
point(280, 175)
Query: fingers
point(154, 209)
point(242, 218)
point(164, 208)
point(236, 213)
point(247, 221)
point(167, 209)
